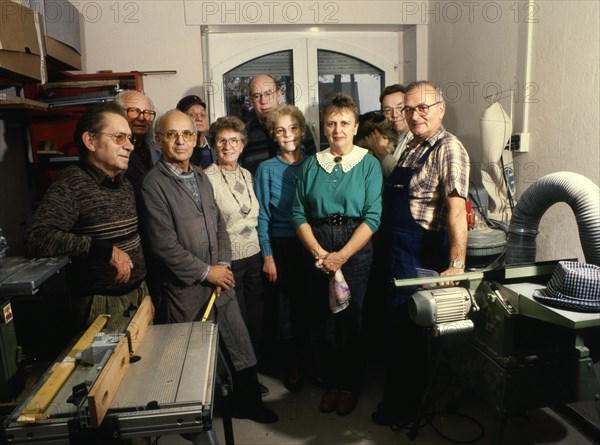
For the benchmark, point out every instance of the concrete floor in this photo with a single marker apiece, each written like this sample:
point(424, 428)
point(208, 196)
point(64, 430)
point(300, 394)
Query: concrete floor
point(302, 423)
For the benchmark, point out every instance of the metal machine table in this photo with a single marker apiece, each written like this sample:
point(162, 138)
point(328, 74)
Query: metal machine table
point(23, 276)
point(169, 390)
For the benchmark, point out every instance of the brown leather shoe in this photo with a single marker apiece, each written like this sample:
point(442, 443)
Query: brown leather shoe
point(346, 402)
point(329, 401)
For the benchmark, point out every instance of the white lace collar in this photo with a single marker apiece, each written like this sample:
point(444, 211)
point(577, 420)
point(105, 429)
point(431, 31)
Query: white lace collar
point(326, 159)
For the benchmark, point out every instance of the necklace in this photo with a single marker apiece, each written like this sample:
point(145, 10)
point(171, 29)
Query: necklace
point(244, 209)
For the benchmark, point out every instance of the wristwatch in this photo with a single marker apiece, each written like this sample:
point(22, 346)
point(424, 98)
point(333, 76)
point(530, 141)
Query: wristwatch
point(457, 264)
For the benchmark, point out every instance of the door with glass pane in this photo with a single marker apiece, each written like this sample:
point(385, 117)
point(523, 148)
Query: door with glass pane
point(340, 73)
point(308, 71)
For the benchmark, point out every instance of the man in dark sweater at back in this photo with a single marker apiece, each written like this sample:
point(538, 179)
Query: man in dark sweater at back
point(89, 214)
point(139, 112)
point(265, 96)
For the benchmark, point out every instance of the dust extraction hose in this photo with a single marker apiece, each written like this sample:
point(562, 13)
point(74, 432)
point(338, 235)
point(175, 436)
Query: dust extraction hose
point(580, 193)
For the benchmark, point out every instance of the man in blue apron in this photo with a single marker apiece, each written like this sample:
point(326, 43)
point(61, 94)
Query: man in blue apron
point(424, 222)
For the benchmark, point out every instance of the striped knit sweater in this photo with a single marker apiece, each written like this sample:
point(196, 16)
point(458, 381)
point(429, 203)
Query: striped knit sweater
point(82, 215)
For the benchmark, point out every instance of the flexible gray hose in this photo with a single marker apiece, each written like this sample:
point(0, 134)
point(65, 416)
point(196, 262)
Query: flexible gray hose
point(580, 193)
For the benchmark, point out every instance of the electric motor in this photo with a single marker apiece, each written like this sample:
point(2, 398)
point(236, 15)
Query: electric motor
point(429, 307)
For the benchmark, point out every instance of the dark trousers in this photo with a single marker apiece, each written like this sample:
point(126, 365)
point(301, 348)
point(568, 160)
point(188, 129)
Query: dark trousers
point(291, 294)
point(406, 362)
point(340, 335)
point(405, 345)
point(291, 288)
point(249, 291)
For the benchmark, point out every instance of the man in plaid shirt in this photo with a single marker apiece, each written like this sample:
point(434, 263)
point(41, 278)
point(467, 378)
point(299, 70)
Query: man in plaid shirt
point(424, 222)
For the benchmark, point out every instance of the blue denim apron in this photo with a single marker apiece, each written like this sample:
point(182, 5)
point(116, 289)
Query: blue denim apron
point(410, 245)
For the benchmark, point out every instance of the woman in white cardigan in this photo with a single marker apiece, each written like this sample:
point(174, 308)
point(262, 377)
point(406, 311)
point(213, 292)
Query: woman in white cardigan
point(235, 198)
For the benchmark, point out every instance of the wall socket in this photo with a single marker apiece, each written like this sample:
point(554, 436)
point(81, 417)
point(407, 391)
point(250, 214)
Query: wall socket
point(519, 142)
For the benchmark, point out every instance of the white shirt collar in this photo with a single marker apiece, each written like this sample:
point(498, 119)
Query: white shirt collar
point(326, 159)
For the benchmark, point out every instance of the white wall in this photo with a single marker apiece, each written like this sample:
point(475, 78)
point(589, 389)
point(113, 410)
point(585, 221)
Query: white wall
point(149, 35)
point(485, 49)
point(566, 125)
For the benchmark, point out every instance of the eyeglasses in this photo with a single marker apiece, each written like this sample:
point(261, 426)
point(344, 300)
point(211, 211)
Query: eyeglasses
point(267, 95)
point(172, 135)
point(422, 109)
point(197, 115)
point(134, 113)
point(294, 128)
point(388, 110)
point(119, 138)
point(234, 142)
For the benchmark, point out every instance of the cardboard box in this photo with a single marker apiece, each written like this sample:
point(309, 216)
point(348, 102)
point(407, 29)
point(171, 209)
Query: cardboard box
point(62, 56)
point(23, 3)
point(62, 28)
point(21, 43)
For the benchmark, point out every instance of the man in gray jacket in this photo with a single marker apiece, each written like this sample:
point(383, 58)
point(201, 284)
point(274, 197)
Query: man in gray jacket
point(191, 248)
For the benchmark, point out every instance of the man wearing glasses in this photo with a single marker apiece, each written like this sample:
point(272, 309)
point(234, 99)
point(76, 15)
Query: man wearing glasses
point(424, 224)
point(392, 102)
point(189, 240)
point(140, 114)
point(265, 96)
point(89, 214)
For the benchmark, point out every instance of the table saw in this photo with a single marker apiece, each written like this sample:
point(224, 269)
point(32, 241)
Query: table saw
point(157, 379)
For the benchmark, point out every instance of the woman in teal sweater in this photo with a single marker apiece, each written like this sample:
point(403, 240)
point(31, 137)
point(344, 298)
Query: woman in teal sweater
point(336, 210)
point(285, 262)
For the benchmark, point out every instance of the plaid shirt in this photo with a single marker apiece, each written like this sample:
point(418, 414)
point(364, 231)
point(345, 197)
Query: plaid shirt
point(446, 170)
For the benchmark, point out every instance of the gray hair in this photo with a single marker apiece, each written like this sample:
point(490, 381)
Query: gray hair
point(121, 95)
point(439, 97)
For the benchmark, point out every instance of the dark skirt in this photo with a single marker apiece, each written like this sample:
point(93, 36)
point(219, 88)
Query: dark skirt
point(340, 335)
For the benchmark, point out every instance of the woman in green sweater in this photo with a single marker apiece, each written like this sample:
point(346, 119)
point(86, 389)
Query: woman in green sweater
point(337, 209)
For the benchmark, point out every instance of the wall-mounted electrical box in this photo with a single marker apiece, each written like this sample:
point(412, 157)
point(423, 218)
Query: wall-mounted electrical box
point(519, 142)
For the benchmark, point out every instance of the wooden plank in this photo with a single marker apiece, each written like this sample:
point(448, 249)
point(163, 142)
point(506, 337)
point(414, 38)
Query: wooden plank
point(35, 410)
point(107, 384)
point(139, 324)
point(81, 84)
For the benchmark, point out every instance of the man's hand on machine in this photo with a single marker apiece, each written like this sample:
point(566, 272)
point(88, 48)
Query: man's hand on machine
point(451, 271)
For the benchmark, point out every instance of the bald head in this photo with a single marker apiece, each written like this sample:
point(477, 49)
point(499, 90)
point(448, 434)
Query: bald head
point(176, 136)
point(264, 95)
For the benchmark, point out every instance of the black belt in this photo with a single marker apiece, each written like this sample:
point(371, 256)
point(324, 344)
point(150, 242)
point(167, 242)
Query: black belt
point(336, 220)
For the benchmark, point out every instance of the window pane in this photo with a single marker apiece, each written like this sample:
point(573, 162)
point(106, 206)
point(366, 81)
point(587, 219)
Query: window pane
point(278, 65)
point(339, 73)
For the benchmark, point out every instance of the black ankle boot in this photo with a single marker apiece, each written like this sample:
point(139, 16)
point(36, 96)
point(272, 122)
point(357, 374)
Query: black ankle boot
point(246, 399)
